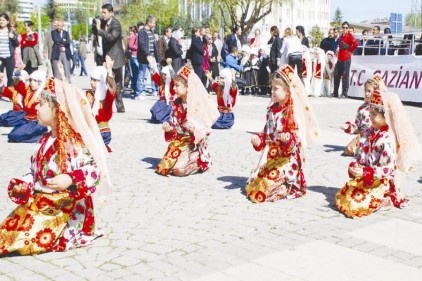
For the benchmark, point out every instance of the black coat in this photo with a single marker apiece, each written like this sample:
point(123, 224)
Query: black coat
point(143, 47)
point(58, 42)
point(112, 43)
point(197, 51)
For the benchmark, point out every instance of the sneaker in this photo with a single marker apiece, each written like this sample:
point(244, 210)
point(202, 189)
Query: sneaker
point(139, 97)
point(155, 93)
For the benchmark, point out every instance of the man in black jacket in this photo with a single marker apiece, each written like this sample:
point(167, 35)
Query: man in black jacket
point(61, 50)
point(111, 34)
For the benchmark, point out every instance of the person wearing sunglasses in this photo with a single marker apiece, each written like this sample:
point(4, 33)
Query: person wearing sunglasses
point(347, 44)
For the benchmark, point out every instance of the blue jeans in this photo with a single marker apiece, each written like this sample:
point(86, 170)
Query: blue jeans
point(143, 72)
point(135, 69)
point(83, 67)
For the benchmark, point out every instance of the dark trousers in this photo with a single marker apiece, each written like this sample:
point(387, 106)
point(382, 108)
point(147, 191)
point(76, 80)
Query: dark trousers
point(295, 60)
point(342, 71)
point(118, 77)
point(9, 63)
point(197, 68)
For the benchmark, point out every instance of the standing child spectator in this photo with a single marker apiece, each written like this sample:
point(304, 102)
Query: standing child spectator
point(253, 79)
point(161, 110)
point(226, 90)
point(362, 120)
point(330, 63)
point(290, 123)
point(189, 127)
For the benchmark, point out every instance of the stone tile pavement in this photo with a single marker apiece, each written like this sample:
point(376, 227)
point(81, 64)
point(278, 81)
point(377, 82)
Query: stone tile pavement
point(203, 228)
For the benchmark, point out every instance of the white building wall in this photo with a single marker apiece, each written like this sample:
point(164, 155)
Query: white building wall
point(307, 13)
point(25, 9)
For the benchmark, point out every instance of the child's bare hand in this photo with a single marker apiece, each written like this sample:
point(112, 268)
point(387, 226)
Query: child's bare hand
point(255, 140)
point(189, 126)
point(285, 137)
point(60, 182)
point(344, 127)
point(167, 127)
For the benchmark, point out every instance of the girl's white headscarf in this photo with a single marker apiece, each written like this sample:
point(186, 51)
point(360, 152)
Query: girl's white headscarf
point(99, 73)
point(226, 73)
point(166, 71)
point(41, 77)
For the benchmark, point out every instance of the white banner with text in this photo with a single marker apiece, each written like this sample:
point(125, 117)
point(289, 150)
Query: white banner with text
point(401, 74)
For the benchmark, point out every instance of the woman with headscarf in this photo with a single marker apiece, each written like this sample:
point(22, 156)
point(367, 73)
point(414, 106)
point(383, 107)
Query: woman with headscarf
point(29, 130)
point(101, 97)
point(174, 50)
point(290, 125)
point(55, 210)
point(189, 127)
point(226, 90)
point(386, 151)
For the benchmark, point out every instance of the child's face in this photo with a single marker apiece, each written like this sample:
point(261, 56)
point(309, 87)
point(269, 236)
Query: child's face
point(222, 80)
point(181, 90)
point(368, 93)
point(279, 91)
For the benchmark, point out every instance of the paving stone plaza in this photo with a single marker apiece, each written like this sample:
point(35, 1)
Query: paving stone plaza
point(203, 227)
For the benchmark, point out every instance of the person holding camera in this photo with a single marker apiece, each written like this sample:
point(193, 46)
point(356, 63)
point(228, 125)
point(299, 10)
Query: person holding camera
point(109, 30)
point(31, 56)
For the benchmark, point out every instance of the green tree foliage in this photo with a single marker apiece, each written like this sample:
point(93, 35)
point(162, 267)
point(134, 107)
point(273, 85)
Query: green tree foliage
point(338, 17)
point(45, 21)
point(138, 10)
point(316, 36)
point(251, 12)
point(414, 20)
point(185, 22)
point(51, 9)
point(10, 6)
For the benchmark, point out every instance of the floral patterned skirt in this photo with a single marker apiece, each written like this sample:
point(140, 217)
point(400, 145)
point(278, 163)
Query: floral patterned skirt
point(357, 200)
point(181, 158)
point(51, 222)
point(279, 178)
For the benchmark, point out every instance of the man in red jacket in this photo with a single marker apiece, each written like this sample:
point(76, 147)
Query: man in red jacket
point(347, 44)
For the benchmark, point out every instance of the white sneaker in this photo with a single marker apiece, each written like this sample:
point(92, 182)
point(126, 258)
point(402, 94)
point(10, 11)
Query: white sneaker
point(155, 93)
point(139, 97)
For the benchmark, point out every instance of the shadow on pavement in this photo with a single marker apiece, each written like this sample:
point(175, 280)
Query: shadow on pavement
point(333, 148)
point(420, 180)
point(328, 192)
point(151, 160)
point(235, 182)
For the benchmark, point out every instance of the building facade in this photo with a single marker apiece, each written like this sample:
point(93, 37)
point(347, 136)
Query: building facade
point(25, 9)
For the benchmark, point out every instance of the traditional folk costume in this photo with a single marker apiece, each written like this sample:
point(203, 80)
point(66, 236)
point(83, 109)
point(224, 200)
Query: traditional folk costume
point(49, 220)
point(307, 69)
point(29, 130)
point(102, 102)
point(15, 116)
point(226, 99)
point(161, 110)
point(362, 123)
point(188, 152)
point(279, 174)
point(318, 66)
point(330, 63)
point(383, 154)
